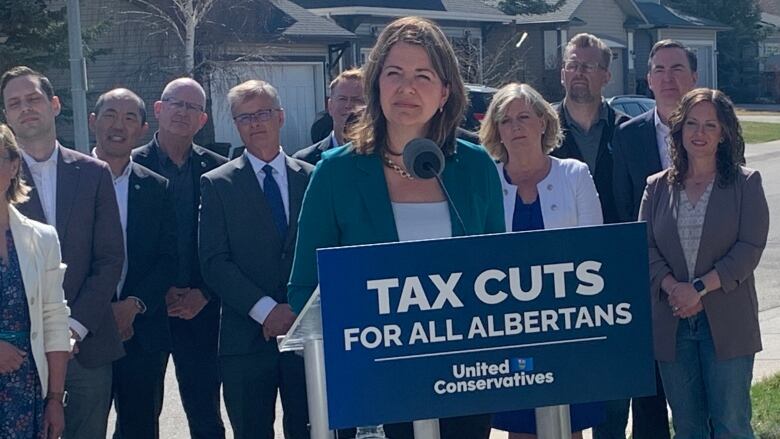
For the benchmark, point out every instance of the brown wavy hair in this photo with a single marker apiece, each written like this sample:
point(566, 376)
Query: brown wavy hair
point(730, 153)
point(370, 131)
point(17, 191)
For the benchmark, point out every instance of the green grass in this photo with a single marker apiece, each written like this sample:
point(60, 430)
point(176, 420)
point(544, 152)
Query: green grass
point(766, 408)
point(760, 132)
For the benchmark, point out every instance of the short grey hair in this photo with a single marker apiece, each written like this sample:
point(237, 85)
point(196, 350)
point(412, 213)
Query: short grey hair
point(180, 82)
point(250, 89)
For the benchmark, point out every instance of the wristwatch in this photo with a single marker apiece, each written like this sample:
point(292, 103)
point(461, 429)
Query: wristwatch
point(60, 397)
point(699, 286)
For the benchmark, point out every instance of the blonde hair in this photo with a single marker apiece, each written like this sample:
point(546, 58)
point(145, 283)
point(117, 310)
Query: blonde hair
point(17, 191)
point(250, 89)
point(370, 131)
point(489, 135)
point(353, 74)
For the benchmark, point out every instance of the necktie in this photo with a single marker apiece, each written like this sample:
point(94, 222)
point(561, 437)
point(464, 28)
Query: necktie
point(274, 198)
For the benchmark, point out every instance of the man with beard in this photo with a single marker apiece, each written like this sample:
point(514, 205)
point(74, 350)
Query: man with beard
point(586, 120)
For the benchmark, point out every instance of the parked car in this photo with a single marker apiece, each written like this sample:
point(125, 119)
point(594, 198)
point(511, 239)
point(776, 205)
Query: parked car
point(632, 105)
point(479, 99)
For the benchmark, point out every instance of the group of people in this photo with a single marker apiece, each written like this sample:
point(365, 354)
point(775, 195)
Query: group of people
point(173, 251)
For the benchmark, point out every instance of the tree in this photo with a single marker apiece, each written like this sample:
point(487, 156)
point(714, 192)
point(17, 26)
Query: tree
point(38, 35)
point(737, 55)
point(525, 7)
point(182, 17)
point(201, 24)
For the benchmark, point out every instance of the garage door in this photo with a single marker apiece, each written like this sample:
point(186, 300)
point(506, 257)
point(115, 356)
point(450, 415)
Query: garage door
point(301, 90)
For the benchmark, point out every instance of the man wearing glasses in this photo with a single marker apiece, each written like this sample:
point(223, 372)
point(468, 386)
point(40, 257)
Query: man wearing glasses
point(192, 310)
point(346, 96)
point(248, 226)
point(587, 121)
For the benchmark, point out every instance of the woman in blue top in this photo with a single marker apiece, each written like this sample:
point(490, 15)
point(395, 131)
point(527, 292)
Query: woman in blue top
point(520, 129)
point(361, 193)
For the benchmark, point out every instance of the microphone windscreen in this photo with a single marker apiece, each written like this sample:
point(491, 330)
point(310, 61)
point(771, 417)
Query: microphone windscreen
point(423, 158)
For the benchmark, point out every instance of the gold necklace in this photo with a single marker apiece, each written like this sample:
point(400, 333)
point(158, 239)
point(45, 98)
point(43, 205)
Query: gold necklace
point(392, 165)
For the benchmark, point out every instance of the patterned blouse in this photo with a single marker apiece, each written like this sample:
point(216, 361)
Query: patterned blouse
point(690, 219)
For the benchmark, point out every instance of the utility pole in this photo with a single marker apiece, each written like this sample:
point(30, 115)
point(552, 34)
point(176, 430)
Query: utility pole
point(78, 77)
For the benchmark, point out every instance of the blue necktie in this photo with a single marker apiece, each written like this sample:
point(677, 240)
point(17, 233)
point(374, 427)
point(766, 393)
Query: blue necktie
point(274, 198)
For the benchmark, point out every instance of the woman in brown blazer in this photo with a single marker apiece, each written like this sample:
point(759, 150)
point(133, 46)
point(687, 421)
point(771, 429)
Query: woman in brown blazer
point(708, 221)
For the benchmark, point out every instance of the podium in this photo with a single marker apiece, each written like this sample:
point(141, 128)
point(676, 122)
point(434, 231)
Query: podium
point(480, 324)
point(306, 335)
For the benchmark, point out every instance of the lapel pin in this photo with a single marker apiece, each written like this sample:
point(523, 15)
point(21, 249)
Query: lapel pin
point(137, 186)
point(202, 164)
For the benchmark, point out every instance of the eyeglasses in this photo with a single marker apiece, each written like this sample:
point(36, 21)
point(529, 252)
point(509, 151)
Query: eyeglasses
point(587, 67)
point(183, 105)
point(259, 116)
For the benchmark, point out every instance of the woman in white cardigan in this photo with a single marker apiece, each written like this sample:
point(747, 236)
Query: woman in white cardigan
point(520, 129)
point(34, 338)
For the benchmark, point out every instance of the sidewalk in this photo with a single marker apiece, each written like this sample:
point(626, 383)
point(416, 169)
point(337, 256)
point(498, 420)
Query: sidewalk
point(767, 361)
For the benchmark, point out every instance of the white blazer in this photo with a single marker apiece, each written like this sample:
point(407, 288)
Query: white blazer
point(567, 196)
point(38, 249)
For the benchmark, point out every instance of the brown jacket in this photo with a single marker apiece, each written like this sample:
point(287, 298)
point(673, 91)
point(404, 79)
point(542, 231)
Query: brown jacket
point(733, 237)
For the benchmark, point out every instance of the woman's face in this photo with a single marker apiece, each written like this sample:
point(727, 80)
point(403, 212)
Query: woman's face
point(410, 91)
point(8, 169)
point(701, 131)
point(520, 128)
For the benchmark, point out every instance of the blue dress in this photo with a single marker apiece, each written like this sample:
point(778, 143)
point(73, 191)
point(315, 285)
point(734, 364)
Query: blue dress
point(21, 402)
point(528, 217)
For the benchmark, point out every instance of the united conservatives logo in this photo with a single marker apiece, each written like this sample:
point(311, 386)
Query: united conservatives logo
point(482, 376)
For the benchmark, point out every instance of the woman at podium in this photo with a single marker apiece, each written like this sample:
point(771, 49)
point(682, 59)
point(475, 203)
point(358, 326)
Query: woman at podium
point(707, 224)
point(520, 130)
point(362, 193)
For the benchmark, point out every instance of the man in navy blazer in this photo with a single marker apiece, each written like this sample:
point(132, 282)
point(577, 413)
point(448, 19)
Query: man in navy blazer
point(193, 310)
point(145, 208)
point(248, 229)
point(73, 192)
point(640, 147)
point(346, 95)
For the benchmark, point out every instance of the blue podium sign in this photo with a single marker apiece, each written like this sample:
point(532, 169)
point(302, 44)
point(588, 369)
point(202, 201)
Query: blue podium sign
point(484, 324)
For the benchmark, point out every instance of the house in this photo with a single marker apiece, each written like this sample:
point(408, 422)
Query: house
point(629, 28)
point(769, 58)
point(274, 40)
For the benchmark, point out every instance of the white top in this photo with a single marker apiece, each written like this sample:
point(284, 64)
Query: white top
point(567, 196)
point(38, 251)
point(44, 175)
point(690, 221)
point(417, 221)
point(266, 304)
point(663, 140)
point(121, 190)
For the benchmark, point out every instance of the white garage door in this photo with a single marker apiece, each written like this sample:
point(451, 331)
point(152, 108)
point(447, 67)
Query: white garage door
point(301, 90)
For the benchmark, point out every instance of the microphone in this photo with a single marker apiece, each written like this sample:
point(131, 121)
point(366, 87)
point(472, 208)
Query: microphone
point(423, 159)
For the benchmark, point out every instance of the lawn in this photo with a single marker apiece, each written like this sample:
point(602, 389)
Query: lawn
point(766, 408)
point(760, 132)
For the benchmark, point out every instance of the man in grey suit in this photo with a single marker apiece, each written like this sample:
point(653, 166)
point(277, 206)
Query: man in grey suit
point(248, 225)
point(75, 193)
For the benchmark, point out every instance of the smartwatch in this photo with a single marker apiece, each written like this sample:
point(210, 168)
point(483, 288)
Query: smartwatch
point(699, 286)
